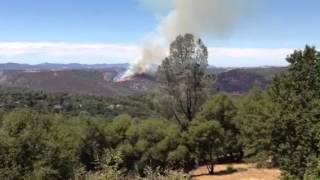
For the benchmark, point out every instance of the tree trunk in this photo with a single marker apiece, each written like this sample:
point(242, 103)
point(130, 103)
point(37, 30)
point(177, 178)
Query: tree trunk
point(211, 166)
point(211, 169)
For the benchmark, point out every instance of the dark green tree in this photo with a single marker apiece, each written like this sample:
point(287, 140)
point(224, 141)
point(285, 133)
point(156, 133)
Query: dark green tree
point(29, 148)
point(255, 122)
point(207, 140)
point(182, 78)
point(296, 95)
point(150, 143)
point(222, 109)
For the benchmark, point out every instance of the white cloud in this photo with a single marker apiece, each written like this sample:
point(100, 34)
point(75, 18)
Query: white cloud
point(31, 52)
point(68, 49)
point(249, 56)
point(249, 52)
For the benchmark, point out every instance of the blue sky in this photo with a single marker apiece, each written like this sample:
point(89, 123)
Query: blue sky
point(106, 31)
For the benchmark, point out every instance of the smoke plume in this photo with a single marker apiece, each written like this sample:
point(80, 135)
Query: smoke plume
point(212, 18)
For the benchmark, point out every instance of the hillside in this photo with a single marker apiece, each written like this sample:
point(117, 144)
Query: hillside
point(240, 81)
point(100, 81)
point(91, 82)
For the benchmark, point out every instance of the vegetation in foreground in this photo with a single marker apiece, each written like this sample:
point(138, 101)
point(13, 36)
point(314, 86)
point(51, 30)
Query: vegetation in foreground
point(165, 135)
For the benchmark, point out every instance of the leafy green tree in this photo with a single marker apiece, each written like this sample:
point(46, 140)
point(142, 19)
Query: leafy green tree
point(149, 143)
point(181, 157)
point(82, 140)
point(313, 166)
point(296, 95)
point(182, 78)
point(312, 170)
point(255, 122)
point(116, 131)
point(207, 139)
point(93, 145)
point(28, 148)
point(222, 109)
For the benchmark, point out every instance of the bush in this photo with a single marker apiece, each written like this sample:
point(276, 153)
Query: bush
point(108, 168)
point(152, 174)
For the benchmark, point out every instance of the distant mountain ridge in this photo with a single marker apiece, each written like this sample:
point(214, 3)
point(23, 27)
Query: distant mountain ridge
point(53, 66)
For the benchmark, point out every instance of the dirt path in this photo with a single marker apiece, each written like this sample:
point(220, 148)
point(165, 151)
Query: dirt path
point(243, 172)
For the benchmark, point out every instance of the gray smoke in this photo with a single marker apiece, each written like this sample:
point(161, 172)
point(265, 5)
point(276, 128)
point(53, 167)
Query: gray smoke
point(214, 18)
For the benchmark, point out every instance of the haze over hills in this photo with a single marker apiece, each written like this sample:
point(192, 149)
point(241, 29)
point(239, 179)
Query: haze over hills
point(53, 66)
point(100, 79)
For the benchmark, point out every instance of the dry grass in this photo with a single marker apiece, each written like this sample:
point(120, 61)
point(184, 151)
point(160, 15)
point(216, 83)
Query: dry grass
point(242, 172)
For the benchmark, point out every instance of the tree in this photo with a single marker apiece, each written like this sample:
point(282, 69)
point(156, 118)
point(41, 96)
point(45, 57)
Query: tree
point(149, 143)
point(255, 122)
point(115, 132)
point(29, 149)
point(222, 109)
point(182, 78)
point(207, 140)
point(296, 95)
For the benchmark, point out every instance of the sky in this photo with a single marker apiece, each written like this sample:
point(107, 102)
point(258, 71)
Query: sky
point(108, 31)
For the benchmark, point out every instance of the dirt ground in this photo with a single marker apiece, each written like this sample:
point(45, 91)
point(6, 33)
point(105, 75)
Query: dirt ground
point(243, 172)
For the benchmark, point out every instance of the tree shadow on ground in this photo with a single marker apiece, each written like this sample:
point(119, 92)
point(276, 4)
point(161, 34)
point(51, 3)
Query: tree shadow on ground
point(222, 173)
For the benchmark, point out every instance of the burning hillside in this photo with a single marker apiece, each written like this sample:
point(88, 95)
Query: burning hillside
point(136, 77)
point(107, 82)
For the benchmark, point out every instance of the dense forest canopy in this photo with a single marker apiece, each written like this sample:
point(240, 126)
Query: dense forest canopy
point(166, 133)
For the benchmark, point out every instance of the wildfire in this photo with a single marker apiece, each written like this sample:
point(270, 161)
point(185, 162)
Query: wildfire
point(122, 80)
point(136, 76)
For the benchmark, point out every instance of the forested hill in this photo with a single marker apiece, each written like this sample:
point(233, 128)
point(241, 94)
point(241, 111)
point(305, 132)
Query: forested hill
point(90, 80)
point(240, 81)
